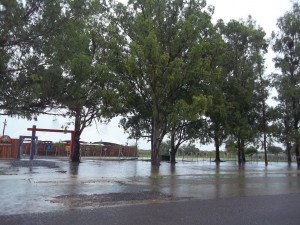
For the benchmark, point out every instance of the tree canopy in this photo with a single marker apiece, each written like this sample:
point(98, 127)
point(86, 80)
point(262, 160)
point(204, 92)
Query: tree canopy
point(24, 25)
point(166, 61)
point(287, 47)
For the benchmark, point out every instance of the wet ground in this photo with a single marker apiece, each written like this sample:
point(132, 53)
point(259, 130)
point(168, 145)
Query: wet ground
point(45, 185)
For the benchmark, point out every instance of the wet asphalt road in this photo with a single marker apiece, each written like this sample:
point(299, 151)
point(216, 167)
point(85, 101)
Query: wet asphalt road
point(262, 210)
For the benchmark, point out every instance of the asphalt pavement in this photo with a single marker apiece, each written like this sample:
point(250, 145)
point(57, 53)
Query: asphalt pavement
point(261, 210)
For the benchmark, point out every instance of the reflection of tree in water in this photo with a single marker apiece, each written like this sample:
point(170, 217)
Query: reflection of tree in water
point(155, 177)
point(161, 182)
point(173, 179)
point(173, 170)
point(154, 171)
point(74, 168)
point(74, 187)
point(228, 184)
point(241, 181)
point(218, 186)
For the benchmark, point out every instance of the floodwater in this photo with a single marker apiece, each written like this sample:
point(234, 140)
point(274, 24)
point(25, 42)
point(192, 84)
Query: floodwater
point(28, 189)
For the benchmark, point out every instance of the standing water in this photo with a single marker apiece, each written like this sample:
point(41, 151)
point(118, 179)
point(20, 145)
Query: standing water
point(50, 184)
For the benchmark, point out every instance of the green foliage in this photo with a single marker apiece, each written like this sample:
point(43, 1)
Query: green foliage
point(231, 147)
point(164, 148)
point(242, 67)
point(168, 60)
point(24, 27)
point(251, 150)
point(274, 149)
point(286, 43)
point(188, 149)
point(87, 83)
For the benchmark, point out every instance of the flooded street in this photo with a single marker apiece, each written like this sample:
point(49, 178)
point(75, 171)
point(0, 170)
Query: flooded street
point(48, 184)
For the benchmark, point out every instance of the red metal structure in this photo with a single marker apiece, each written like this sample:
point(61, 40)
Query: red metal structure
point(34, 130)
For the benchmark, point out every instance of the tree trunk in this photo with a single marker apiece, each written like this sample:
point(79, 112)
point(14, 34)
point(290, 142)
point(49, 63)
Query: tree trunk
point(239, 151)
point(265, 149)
point(155, 142)
point(243, 151)
point(173, 157)
point(296, 130)
point(288, 144)
point(76, 150)
point(217, 145)
point(264, 126)
point(217, 159)
point(293, 81)
point(288, 151)
point(173, 149)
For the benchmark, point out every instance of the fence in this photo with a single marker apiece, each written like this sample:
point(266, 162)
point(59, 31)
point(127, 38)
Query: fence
point(9, 150)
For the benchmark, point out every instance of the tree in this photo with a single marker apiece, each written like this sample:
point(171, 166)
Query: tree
point(245, 42)
point(185, 127)
point(262, 110)
point(231, 146)
point(274, 149)
point(282, 119)
point(261, 93)
point(24, 25)
point(80, 54)
point(163, 59)
point(216, 114)
point(251, 150)
point(165, 148)
point(192, 124)
point(287, 46)
point(189, 149)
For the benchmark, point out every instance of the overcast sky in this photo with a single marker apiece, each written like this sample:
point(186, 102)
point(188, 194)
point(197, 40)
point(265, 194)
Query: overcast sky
point(264, 12)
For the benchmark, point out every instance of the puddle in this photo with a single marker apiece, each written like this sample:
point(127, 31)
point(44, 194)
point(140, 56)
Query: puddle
point(98, 200)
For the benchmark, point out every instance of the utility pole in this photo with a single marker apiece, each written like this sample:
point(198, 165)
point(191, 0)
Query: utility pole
point(5, 123)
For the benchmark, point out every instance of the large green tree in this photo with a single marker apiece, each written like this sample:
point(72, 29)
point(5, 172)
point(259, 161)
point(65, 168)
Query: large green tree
point(287, 46)
point(282, 117)
point(245, 42)
point(164, 58)
point(203, 121)
point(24, 25)
point(217, 111)
point(81, 55)
point(261, 90)
point(185, 123)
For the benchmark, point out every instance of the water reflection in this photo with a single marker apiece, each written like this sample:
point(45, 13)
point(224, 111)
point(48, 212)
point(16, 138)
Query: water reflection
point(173, 180)
point(74, 168)
point(173, 169)
point(30, 169)
point(217, 183)
point(154, 171)
point(155, 177)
